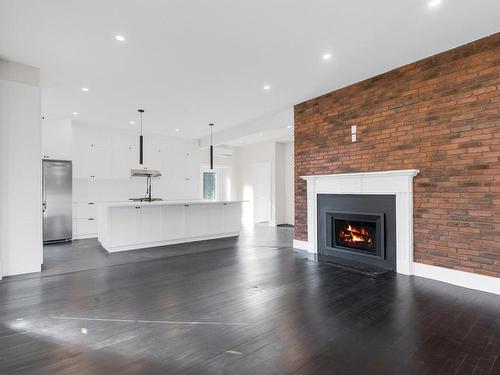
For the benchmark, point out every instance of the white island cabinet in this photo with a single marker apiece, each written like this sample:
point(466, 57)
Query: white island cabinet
point(129, 225)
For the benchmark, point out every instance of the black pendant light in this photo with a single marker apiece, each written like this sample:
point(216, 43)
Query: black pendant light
point(211, 146)
point(141, 141)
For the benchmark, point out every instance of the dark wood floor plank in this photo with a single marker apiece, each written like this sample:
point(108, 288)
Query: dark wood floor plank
point(142, 311)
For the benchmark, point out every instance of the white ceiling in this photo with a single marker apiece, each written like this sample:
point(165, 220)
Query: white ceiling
point(282, 134)
point(191, 62)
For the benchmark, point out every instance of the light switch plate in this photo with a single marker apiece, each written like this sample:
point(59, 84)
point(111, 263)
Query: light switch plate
point(353, 133)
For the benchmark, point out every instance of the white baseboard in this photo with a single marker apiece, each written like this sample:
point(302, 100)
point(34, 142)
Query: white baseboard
point(137, 246)
point(84, 236)
point(22, 269)
point(465, 279)
point(302, 245)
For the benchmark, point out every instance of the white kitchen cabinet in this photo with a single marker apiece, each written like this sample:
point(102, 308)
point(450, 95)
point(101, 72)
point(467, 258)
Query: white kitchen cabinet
point(57, 137)
point(91, 161)
point(100, 161)
point(84, 228)
point(124, 155)
point(85, 210)
point(81, 164)
point(127, 226)
point(84, 220)
point(174, 222)
point(84, 135)
point(92, 158)
point(232, 217)
point(153, 153)
point(216, 211)
point(150, 223)
point(198, 220)
point(124, 225)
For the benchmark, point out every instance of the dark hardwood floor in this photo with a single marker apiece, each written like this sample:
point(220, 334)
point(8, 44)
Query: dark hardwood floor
point(250, 305)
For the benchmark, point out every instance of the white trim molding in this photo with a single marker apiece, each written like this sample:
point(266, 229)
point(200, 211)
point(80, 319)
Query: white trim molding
point(465, 279)
point(400, 184)
point(302, 245)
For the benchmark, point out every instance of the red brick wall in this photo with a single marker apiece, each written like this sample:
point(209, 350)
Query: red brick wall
point(440, 115)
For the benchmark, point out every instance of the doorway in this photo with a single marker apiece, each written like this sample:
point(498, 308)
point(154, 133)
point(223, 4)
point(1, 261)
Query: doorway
point(262, 186)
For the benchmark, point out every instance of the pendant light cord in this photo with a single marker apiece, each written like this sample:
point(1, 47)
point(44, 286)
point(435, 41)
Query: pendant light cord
point(141, 141)
point(211, 146)
point(141, 112)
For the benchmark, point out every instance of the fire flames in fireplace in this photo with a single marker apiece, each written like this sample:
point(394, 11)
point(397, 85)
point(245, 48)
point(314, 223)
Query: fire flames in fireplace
point(358, 237)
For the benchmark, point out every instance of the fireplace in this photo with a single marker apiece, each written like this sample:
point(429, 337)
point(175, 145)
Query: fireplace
point(356, 232)
point(357, 228)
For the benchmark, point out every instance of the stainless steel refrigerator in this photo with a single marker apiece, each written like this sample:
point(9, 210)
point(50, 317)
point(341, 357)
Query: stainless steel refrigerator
point(57, 201)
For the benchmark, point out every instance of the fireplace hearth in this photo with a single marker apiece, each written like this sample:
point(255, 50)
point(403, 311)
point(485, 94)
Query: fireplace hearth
point(357, 228)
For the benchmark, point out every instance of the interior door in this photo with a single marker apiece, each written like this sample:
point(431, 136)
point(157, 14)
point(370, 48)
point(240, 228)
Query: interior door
point(57, 205)
point(261, 175)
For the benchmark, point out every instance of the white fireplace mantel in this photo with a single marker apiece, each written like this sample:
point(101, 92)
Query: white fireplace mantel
point(398, 183)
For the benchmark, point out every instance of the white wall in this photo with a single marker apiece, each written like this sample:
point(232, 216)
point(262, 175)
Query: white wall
point(280, 184)
point(280, 156)
point(20, 170)
point(246, 156)
point(289, 170)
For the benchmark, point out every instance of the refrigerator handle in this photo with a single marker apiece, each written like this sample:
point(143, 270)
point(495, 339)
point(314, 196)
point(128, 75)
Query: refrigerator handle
point(44, 193)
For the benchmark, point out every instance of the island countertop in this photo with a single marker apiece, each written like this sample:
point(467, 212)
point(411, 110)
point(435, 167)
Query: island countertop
point(167, 203)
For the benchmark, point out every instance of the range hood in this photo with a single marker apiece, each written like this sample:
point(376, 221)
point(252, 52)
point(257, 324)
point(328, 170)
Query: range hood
point(145, 173)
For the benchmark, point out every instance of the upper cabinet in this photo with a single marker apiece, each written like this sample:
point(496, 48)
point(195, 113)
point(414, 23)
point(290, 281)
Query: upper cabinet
point(57, 138)
point(153, 153)
point(92, 154)
point(104, 156)
point(124, 155)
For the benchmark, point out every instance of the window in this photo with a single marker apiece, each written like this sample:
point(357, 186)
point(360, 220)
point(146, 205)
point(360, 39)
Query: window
point(209, 191)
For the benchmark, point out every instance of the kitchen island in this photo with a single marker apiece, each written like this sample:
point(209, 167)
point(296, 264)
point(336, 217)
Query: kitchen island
point(132, 225)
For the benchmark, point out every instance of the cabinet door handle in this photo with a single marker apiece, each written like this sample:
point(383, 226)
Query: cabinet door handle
point(91, 203)
point(91, 218)
point(186, 205)
point(137, 207)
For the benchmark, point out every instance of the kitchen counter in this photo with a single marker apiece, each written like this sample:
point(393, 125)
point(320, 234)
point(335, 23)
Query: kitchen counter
point(135, 225)
point(165, 203)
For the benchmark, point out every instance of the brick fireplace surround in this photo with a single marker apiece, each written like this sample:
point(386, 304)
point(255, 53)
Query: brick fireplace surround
point(440, 115)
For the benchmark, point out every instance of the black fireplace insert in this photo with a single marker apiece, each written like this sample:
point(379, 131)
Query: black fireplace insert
point(355, 232)
point(360, 228)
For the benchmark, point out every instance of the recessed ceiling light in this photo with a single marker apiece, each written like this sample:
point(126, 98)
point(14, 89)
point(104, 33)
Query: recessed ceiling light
point(267, 87)
point(261, 134)
point(75, 113)
point(177, 130)
point(120, 38)
point(132, 122)
point(434, 3)
point(327, 56)
point(85, 89)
